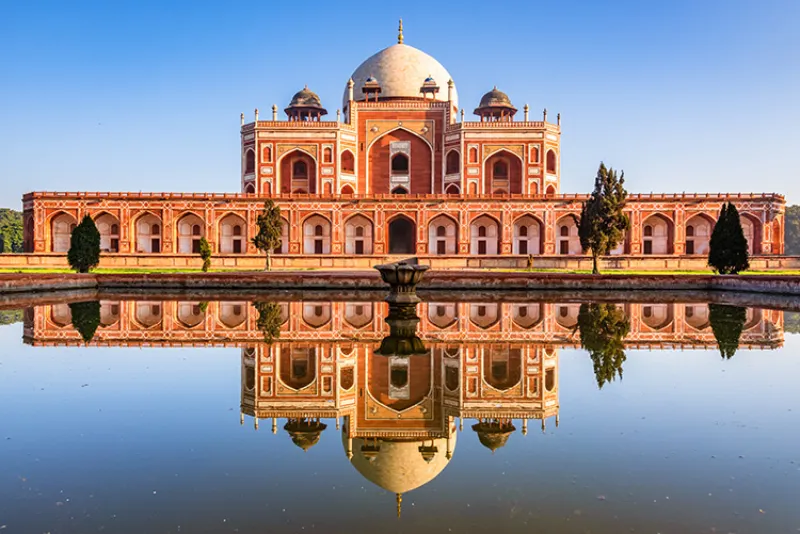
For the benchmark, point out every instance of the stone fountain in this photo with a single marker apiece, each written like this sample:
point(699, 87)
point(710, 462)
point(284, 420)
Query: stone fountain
point(402, 277)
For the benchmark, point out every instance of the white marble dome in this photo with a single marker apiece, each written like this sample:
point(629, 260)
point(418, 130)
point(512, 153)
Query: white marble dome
point(400, 70)
point(399, 467)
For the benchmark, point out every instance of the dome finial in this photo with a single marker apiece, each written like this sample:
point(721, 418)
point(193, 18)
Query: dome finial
point(399, 504)
point(400, 33)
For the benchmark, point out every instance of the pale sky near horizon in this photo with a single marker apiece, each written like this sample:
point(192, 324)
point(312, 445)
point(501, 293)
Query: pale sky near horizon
point(685, 95)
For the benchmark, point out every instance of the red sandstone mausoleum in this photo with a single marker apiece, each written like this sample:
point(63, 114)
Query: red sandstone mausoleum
point(399, 170)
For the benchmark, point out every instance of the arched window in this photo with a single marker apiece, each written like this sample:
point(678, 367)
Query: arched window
point(473, 155)
point(535, 154)
point(359, 231)
point(648, 231)
point(249, 162)
point(501, 170)
point(452, 189)
point(551, 161)
point(523, 231)
point(299, 170)
point(441, 231)
point(347, 190)
point(690, 231)
point(481, 231)
point(237, 230)
point(318, 230)
point(249, 188)
point(399, 191)
point(453, 165)
point(327, 155)
point(400, 164)
point(348, 162)
point(267, 153)
point(564, 230)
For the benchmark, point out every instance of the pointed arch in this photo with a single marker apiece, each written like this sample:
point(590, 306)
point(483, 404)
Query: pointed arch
point(316, 234)
point(453, 162)
point(249, 160)
point(442, 314)
point(232, 314)
point(527, 316)
point(443, 235)
point(358, 231)
point(358, 314)
point(502, 367)
point(147, 231)
point(753, 232)
point(348, 162)
point(297, 171)
point(232, 234)
point(657, 316)
point(61, 226)
point(400, 141)
point(528, 232)
point(484, 233)
point(502, 172)
point(658, 234)
point(348, 190)
point(190, 228)
point(551, 162)
point(109, 228)
point(698, 229)
point(298, 366)
point(484, 314)
point(402, 234)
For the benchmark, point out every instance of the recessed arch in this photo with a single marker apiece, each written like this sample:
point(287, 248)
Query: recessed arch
point(453, 162)
point(148, 314)
point(502, 367)
point(358, 314)
point(443, 235)
point(61, 226)
point(316, 235)
point(190, 228)
point(452, 189)
point(147, 230)
point(567, 239)
point(528, 235)
point(190, 314)
point(484, 314)
point(697, 316)
point(403, 143)
point(502, 171)
point(402, 231)
point(753, 231)
point(399, 383)
point(249, 160)
point(232, 234)
point(527, 316)
point(347, 190)
point(298, 366)
point(348, 162)
point(657, 316)
point(551, 162)
point(658, 234)
point(109, 228)
point(698, 231)
point(484, 235)
point(443, 314)
point(358, 231)
point(316, 314)
point(232, 314)
point(302, 162)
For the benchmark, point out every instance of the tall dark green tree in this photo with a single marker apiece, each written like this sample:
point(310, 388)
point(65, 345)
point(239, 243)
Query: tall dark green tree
point(603, 329)
point(84, 246)
point(85, 318)
point(792, 233)
point(269, 319)
point(268, 237)
point(205, 254)
point(728, 249)
point(727, 323)
point(603, 223)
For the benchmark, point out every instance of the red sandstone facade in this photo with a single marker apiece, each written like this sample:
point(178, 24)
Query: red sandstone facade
point(399, 171)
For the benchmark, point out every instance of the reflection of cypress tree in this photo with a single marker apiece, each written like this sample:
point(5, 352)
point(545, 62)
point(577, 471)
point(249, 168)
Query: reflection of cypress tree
point(269, 319)
point(603, 328)
point(727, 323)
point(85, 318)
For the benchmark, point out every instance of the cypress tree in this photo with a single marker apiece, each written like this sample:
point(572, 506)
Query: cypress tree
point(603, 329)
point(269, 320)
point(205, 254)
point(727, 323)
point(269, 225)
point(603, 224)
point(85, 318)
point(84, 246)
point(728, 249)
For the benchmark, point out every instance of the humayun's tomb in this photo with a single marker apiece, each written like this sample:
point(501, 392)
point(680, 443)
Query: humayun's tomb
point(398, 171)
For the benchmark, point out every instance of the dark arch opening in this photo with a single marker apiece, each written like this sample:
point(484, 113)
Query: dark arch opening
point(401, 236)
point(399, 164)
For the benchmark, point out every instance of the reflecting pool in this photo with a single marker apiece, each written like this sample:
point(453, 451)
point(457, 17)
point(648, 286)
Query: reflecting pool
point(170, 413)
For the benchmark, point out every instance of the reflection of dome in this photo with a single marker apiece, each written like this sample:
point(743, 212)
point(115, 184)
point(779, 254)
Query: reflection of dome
point(493, 435)
point(401, 71)
point(400, 466)
point(305, 434)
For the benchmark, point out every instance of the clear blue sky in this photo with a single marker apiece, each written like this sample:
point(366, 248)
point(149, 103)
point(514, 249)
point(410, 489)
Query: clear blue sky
point(684, 95)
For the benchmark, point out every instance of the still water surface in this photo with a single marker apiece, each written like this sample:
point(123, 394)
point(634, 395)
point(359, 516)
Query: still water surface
point(298, 416)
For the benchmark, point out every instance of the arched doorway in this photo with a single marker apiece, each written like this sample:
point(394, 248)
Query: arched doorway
point(401, 236)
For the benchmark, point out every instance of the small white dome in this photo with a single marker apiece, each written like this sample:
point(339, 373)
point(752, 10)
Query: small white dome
point(400, 70)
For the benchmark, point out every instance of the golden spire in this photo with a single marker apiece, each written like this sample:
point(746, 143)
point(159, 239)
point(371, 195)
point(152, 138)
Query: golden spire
point(399, 497)
point(400, 33)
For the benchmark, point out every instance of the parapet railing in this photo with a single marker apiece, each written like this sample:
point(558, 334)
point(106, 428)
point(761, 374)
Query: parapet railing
point(564, 197)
